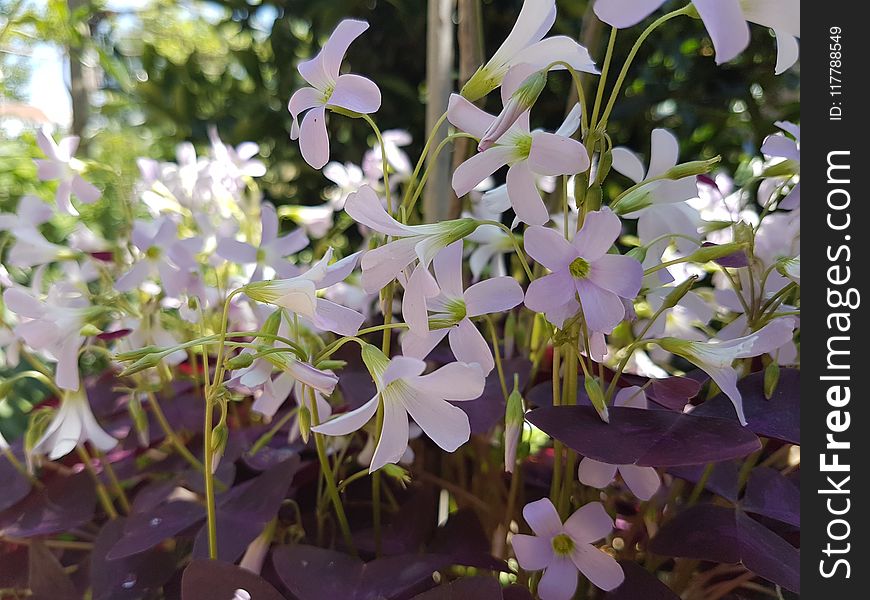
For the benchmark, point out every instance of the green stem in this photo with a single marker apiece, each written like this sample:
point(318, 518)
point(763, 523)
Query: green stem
point(438, 149)
point(102, 494)
point(385, 166)
point(413, 181)
point(171, 434)
point(633, 53)
point(608, 57)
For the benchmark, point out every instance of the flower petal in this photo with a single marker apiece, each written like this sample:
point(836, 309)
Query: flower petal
point(467, 117)
point(548, 247)
point(337, 318)
point(779, 15)
point(589, 523)
point(625, 13)
point(381, 265)
point(631, 397)
point(643, 482)
point(598, 566)
point(454, 381)
point(301, 100)
point(448, 269)
point(85, 191)
point(542, 517)
point(533, 553)
point(365, 207)
point(726, 25)
point(394, 434)
point(595, 473)
point(628, 163)
point(402, 367)
point(524, 195)
point(236, 251)
point(603, 309)
point(323, 69)
point(787, 51)
point(557, 48)
point(619, 274)
point(559, 581)
point(350, 421)
point(468, 346)
point(420, 346)
point(599, 231)
point(553, 154)
point(480, 166)
point(314, 139)
point(492, 295)
point(420, 287)
point(664, 152)
point(445, 424)
point(551, 293)
point(356, 93)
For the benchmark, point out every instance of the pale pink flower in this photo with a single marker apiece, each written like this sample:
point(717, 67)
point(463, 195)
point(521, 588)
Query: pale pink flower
point(562, 550)
point(410, 242)
point(781, 146)
point(405, 391)
point(726, 22)
point(163, 256)
point(716, 357)
point(455, 307)
point(72, 425)
point(53, 326)
point(269, 255)
point(583, 268)
point(642, 481)
point(59, 164)
point(527, 153)
point(526, 45)
point(329, 88)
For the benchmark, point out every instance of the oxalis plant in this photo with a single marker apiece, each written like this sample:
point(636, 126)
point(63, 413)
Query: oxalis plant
point(564, 393)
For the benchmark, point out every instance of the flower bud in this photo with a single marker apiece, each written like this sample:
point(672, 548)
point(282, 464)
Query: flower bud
point(771, 379)
point(635, 200)
point(692, 169)
point(513, 426)
point(272, 323)
point(520, 101)
point(593, 198)
point(479, 85)
point(398, 473)
point(791, 268)
point(638, 253)
point(708, 253)
point(146, 362)
point(604, 164)
point(36, 426)
point(219, 437)
point(137, 354)
point(242, 360)
point(593, 390)
point(304, 423)
point(139, 418)
point(678, 292)
point(783, 168)
point(331, 365)
point(89, 330)
point(375, 360)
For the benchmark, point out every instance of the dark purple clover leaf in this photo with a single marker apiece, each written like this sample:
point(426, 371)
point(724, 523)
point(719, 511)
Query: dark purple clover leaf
point(127, 578)
point(468, 588)
point(145, 530)
point(722, 481)
point(64, 503)
point(650, 438)
point(488, 410)
point(246, 509)
point(639, 583)
point(516, 592)
point(213, 579)
point(46, 577)
point(409, 528)
point(312, 573)
point(777, 418)
point(464, 540)
point(14, 484)
point(770, 494)
point(727, 535)
point(13, 566)
point(670, 392)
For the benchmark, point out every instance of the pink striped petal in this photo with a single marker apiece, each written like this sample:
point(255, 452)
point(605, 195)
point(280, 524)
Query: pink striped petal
point(548, 247)
point(599, 231)
point(337, 318)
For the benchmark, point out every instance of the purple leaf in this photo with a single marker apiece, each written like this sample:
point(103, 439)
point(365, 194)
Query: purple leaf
point(770, 494)
point(145, 530)
point(128, 578)
point(639, 583)
point(777, 418)
point(212, 579)
point(13, 566)
point(650, 438)
point(516, 592)
point(488, 410)
point(722, 481)
point(46, 577)
point(409, 528)
point(726, 535)
point(464, 540)
point(312, 573)
point(15, 486)
point(244, 512)
point(468, 588)
point(64, 503)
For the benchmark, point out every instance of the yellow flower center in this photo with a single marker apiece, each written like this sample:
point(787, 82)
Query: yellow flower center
point(562, 545)
point(579, 268)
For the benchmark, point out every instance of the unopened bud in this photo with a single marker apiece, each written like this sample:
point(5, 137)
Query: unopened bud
point(331, 365)
point(36, 426)
point(513, 426)
point(242, 360)
point(708, 253)
point(89, 330)
point(480, 84)
point(520, 101)
point(633, 201)
point(604, 164)
point(783, 168)
point(304, 423)
point(693, 168)
point(137, 354)
point(593, 198)
point(638, 253)
point(678, 292)
point(146, 362)
point(593, 390)
point(400, 474)
point(219, 437)
point(272, 324)
point(771, 379)
point(140, 419)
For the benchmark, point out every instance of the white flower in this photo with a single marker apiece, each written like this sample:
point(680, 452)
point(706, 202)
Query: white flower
point(73, 424)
